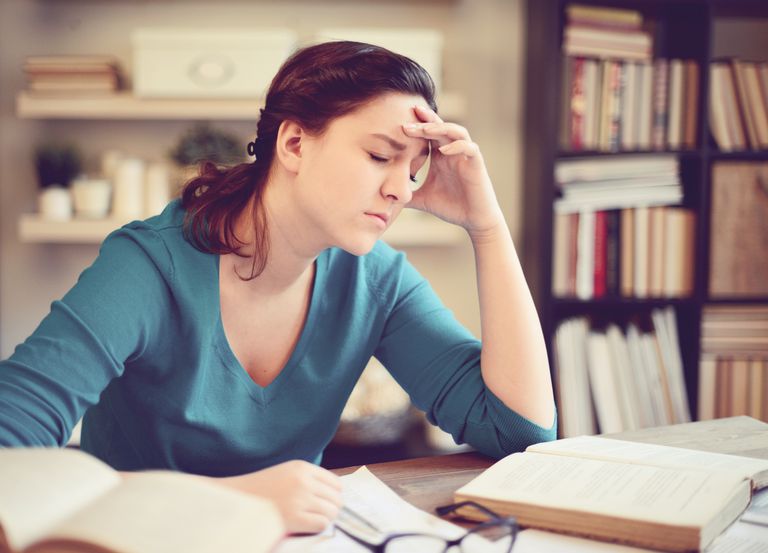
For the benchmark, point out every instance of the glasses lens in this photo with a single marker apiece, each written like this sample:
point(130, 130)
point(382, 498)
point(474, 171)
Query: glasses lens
point(497, 538)
point(416, 544)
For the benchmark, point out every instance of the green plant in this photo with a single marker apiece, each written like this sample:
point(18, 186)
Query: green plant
point(57, 164)
point(203, 142)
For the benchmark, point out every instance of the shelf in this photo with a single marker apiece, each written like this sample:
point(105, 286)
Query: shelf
point(604, 303)
point(736, 300)
point(124, 105)
point(418, 230)
point(746, 155)
point(567, 154)
point(33, 228)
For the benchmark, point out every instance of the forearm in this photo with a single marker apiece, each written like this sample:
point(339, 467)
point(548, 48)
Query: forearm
point(514, 355)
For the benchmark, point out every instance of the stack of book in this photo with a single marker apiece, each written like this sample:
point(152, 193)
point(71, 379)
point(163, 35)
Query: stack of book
point(613, 235)
point(733, 367)
point(614, 96)
point(614, 381)
point(606, 32)
point(617, 105)
point(72, 74)
point(738, 104)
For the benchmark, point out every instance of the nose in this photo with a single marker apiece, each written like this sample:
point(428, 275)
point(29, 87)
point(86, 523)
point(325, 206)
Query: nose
point(398, 187)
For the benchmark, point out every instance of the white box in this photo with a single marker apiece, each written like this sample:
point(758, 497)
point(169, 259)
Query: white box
point(207, 63)
point(424, 46)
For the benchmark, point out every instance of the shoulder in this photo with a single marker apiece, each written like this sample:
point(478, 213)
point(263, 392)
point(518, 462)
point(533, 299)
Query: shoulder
point(158, 239)
point(384, 271)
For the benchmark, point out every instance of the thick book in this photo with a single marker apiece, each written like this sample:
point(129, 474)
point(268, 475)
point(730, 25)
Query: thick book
point(661, 497)
point(54, 500)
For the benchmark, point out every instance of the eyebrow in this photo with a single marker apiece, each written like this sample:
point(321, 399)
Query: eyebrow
point(397, 145)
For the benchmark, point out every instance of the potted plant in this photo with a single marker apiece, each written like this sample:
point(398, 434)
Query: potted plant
point(203, 142)
point(56, 166)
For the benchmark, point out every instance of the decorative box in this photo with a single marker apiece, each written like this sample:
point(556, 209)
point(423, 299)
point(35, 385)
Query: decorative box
point(424, 46)
point(207, 63)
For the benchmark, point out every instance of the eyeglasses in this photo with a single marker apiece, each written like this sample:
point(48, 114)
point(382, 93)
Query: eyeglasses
point(499, 530)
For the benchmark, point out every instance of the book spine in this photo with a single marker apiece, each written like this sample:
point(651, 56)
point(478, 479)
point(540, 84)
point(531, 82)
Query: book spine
point(601, 231)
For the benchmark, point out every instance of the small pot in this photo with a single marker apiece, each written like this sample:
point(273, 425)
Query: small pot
point(55, 203)
point(91, 198)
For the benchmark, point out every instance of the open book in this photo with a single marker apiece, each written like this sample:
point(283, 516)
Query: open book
point(64, 500)
point(653, 496)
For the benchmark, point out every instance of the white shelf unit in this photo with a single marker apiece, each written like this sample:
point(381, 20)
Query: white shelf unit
point(426, 231)
point(124, 105)
point(416, 230)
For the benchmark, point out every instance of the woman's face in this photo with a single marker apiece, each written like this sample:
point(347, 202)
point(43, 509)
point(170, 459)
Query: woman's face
point(356, 177)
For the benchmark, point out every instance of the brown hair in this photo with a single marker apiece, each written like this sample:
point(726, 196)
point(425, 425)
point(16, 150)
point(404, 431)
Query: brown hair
point(313, 87)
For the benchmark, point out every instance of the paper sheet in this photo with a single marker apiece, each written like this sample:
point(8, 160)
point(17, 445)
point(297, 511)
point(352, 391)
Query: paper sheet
point(368, 496)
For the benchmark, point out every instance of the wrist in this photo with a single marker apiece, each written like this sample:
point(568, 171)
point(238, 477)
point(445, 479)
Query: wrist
point(489, 233)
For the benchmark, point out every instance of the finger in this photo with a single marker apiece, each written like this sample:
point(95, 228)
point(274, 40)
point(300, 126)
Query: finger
point(328, 493)
point(466, 147)
point(308, 523)
point(329, 478)
point(440, 132)
point(323, 507)
point(426, 114)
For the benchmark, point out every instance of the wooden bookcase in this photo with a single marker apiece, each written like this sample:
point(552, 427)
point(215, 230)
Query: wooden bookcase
point(683, 29)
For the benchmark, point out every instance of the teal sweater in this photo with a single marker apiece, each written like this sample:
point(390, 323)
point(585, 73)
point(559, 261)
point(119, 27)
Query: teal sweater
point(137, 346)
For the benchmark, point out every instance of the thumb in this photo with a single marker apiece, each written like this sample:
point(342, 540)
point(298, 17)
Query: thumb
point(417, 200)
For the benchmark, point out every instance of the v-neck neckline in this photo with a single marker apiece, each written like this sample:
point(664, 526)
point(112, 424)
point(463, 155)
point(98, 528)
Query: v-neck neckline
point(265, 394)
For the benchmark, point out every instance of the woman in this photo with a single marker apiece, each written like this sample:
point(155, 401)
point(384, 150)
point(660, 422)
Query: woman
point(223, 337)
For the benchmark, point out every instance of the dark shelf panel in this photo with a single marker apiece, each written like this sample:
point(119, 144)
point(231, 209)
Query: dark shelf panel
point(736, 300)
point(566, 154)
point(616, 303)
point(747, 155)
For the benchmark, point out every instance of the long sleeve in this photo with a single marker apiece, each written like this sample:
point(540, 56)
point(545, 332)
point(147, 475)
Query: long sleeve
point(106, 320)
point(437, 361)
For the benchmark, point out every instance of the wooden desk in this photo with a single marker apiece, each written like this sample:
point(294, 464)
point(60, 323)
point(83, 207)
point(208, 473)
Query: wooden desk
point(427, 482)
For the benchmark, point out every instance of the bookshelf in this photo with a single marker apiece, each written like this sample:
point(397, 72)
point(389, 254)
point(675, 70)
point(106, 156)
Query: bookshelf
point(681, 29)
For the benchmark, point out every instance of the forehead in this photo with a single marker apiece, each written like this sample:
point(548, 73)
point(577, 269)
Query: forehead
point(385, 113)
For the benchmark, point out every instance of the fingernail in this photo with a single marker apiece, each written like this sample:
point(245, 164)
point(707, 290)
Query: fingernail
point(411, 126)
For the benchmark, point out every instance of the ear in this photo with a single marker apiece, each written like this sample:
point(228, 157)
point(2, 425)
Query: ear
point(288, 147)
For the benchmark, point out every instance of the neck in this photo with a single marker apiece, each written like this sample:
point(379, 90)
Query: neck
point(291, 250)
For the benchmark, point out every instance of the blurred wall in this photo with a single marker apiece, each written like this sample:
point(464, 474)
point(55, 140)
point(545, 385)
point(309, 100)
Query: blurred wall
point(483, 60)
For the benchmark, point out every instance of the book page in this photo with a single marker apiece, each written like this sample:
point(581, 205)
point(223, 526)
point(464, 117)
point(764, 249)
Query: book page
point(639, 492)
point(594, 447)
point(40, 487)
point(159, 511)
point(372, 499)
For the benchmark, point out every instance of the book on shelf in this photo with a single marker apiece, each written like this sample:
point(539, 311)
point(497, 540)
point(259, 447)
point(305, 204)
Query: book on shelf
point(629, 240)
point(733, 366)
point(606, 32)
point(613, 381)
point(72, 74)
point(738, 106)
point(619, 105)
point(661, 497)
point(739, 229)
point(66, 500)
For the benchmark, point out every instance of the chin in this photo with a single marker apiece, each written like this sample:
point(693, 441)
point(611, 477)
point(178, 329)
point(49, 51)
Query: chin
point(361, 246)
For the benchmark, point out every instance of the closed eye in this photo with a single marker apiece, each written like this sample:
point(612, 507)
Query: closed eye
point(379, 159)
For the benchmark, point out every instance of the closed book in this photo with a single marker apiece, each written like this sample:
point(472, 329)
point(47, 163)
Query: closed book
point(739, 234)
point(707, 387)
point(612, 253)
point(660, 104)
point(601, 241)
point(660, 497)
point(690, 104)
point(757, 386)
point(745, 105)
point(657, 251)
point(577, 106)
point(675, 126)
point(57, 500)
point(627, 249)
point(718, 115)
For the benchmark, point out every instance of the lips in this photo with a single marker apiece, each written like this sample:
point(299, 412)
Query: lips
point(381, 218)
